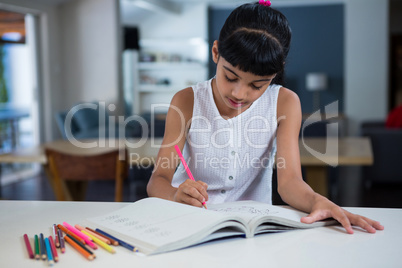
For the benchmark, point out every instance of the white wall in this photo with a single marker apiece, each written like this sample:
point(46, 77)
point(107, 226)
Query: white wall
point(366, 70)
point(89, 51)
point(191, 22)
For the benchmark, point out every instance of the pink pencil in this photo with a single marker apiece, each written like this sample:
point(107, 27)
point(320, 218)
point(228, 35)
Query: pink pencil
point(186, 167)
point(83, 236)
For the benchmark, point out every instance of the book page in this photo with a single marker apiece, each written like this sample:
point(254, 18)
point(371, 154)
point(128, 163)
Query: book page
point(248, 210)
point(152, 223)
point(265, 217)
point(257, 213)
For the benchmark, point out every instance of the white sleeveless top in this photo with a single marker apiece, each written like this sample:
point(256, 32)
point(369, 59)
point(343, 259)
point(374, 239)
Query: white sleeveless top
point(233, 156)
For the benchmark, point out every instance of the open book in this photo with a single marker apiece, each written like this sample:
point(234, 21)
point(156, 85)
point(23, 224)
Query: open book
point(156, 225)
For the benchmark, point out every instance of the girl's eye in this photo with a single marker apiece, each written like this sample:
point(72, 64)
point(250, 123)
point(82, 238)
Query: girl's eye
point(230, 80)
point(255, 87)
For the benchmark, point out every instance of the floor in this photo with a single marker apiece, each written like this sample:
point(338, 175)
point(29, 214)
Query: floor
point(342, 193)
point(38, 188)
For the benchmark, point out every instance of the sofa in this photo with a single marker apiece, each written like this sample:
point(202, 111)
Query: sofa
point(86, 123)
point(387, 153)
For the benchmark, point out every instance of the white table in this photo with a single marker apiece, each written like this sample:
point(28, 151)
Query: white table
point(320, 247)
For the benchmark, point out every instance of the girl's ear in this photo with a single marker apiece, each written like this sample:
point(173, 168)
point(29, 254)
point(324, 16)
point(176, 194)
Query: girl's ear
point(215, 51)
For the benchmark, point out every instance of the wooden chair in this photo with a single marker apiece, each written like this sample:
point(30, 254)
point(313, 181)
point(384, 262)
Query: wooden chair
point(69, 174)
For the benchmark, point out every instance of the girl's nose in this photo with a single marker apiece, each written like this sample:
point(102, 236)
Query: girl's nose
point(239, 93)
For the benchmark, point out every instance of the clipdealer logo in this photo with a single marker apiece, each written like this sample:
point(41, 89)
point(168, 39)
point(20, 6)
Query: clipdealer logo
point(331, 143)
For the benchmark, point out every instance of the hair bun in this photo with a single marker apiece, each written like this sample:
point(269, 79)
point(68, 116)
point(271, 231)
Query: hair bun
point(266, 3)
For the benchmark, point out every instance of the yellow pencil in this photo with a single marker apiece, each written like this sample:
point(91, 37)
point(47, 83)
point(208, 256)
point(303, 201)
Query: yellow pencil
point(99, 242)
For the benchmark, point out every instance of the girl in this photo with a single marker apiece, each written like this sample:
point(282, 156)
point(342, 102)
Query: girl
point(231, 126)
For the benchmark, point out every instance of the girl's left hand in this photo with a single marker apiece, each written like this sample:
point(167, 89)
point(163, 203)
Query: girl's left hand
point(324, 209)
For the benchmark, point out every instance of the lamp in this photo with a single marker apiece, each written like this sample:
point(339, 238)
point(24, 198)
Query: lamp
point(316, 82)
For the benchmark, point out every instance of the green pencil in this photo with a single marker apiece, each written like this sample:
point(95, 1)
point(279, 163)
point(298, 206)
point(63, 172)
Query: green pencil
point(37, 254)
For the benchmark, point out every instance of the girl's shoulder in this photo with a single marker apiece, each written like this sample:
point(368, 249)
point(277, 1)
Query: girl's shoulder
point(288, 102)
point(183, 102)
point(286, 94)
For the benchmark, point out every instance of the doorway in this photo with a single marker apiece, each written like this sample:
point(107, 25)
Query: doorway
point(19, 110)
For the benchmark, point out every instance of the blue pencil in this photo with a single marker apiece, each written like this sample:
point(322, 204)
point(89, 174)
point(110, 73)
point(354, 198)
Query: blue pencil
point(49, 252)
point(42, 247)
point(122, 243)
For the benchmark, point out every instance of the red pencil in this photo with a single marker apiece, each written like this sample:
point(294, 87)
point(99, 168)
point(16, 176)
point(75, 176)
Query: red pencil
point(53, 248)
point(29, 248)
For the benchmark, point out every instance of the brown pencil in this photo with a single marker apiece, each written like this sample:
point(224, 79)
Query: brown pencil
point(107, 241)
point(61, 239)
point(56, 237)
point(112, 241)
point(78, 248)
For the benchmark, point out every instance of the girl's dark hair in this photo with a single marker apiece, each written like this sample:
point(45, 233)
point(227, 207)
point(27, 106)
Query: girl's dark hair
point(256, 39)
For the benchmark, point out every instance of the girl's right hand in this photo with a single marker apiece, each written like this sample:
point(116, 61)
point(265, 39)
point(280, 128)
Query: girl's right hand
point(191, 192)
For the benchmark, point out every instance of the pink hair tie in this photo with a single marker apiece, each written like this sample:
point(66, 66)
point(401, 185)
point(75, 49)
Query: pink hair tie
point(266, 3)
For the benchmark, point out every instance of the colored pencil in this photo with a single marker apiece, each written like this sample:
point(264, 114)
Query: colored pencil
point(37, 248)
point(66, 231)
point(49, 252)
point(79, 249)
point(42, 247)
point(81, 245)
point(78, 233)
point(107, 241)
point(56, 237)
point(62, 247)
point(100, 242)
point(121, 242)
point(187, 168)
point(112, 241)
point(53, 248)
point(80, 228)
point(28, 245)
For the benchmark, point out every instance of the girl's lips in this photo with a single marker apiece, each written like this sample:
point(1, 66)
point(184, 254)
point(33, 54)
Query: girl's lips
point(235, 104)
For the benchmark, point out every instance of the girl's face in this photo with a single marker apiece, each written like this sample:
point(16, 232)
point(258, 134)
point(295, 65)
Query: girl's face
point(235, 90)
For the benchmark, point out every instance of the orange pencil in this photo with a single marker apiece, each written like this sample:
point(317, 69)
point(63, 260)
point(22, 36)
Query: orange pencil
point(53, 248)
point(78, 248)
point(112, 241)
point(66, 231)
